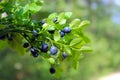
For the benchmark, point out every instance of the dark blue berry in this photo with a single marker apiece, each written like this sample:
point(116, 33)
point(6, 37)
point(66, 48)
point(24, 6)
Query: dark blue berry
point(53, 50)
point(32, 49)
point(44, 47)
point(34, 52)
point(55, 20)
point(67, 30)
point(64, 55)
point(35, 33)
point(25, 45)
point(52, 70)
point(62, 33)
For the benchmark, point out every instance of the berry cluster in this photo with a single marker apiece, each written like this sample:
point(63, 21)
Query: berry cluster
point(50, 38)
point(34, 52)
point(65, 31)
point(45, 47)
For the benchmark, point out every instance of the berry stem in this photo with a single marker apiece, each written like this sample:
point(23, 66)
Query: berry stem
point(28, 40)
point(51, 41)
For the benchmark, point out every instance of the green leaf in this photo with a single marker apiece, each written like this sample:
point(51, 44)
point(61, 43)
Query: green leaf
point(86, 39)
point(75, 41)
point(20, 12)
point(75, 64)
point(33, 7)
point(79, 45)
point(84, 23)
point(76, 55)
point(56, 36)
point(75, 23)
point(67, 38)
point(61, 16)
point(67, 50)
point(68, 15)
point(86, 49)
point(51, 28)
point(64, 15)
point(63, 21)
point(46, 26)
point(52, 16)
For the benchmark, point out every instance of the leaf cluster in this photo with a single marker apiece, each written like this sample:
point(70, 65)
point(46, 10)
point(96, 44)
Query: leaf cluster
point(17, 27)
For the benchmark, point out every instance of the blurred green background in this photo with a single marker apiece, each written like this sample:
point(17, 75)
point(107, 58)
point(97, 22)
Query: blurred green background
point(103, 31)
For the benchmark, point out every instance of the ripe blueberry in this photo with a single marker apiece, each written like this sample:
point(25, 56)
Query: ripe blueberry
point(35, 33)
point(32, 49)
point(53, 50)
point(44, 47)
point(67, 30)
point(25, 45)
point(64, 55)
point(34, 52)
point(62, 33)
point(52, 70)
point(55, 19)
